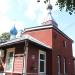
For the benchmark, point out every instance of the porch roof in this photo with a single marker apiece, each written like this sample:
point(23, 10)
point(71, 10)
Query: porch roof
point(23, 38)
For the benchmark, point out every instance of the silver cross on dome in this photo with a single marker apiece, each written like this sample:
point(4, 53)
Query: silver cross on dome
point(49, 19)
point(49, 7)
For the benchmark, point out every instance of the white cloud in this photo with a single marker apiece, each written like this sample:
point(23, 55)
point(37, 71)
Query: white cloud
point(6, 24)
point(30, 13)
point(35, 8)
point(19, 25)
point(4, 20)
point(4, 6)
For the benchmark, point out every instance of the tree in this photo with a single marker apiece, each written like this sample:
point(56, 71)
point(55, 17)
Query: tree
point(69, 5)
point(5, 36)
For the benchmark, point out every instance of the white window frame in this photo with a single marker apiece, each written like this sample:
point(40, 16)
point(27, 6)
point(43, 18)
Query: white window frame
point(42, 52)
point(74, 66)
point(2, 73)
point(9, 50)
point(65, 43)
point(58, 59)
point(64, 66)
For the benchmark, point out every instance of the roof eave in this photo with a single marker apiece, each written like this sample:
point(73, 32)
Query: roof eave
point(22, 40)
point(48, 26)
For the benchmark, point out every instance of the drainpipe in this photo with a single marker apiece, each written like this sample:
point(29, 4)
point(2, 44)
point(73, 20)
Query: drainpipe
point(24, 71)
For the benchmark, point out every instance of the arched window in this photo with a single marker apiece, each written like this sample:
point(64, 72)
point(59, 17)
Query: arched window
point(59, 65)
point(65, 68)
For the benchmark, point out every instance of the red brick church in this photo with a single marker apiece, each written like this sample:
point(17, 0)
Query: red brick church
point(41, 50)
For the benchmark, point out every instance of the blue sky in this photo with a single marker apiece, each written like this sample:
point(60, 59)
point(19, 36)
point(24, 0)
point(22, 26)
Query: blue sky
point(29, 13)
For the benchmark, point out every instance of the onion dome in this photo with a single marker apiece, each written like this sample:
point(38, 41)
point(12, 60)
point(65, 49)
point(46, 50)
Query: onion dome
point(49, 19)
point(13, 33)
point(13, 30)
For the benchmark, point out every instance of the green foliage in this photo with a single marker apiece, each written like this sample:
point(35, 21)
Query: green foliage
point(69, 5)
point(5, 36)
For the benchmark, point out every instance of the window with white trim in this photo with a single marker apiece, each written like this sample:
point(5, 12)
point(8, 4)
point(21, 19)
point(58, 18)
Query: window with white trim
point(42, 61)
point(64, 66)
point(59, 71)
point(9, 59)
point(74, 66)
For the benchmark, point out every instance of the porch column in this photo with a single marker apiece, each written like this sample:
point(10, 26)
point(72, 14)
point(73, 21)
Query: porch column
point(25, 58)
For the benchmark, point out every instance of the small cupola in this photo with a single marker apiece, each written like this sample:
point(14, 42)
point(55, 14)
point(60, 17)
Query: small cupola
point(49, 19)
point(13, 33)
